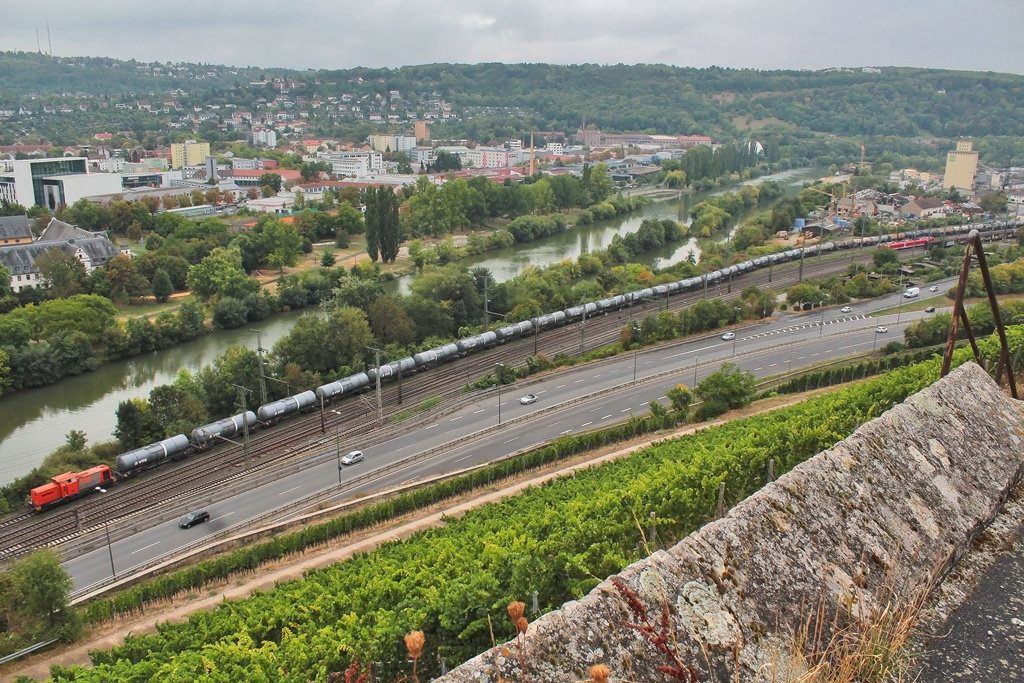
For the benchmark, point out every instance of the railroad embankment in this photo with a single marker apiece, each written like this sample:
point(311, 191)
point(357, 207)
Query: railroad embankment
point(860, 527)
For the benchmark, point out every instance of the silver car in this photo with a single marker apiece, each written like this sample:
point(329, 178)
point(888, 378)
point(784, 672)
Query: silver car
point(528, 399)
point(352, 458)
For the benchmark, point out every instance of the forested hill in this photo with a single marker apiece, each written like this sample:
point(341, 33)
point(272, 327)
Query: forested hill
point(904, 102)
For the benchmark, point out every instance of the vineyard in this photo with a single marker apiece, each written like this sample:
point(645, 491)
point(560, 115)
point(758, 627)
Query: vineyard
point(453, 583)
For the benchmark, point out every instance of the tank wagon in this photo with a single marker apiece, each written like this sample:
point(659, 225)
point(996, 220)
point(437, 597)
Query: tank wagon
point(227, 428)
point(286, 406)
point(153, 454)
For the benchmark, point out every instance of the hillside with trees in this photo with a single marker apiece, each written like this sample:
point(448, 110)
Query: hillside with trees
point(891, 110)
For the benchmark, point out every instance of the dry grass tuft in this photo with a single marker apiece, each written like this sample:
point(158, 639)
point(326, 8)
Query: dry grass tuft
point(871, 648)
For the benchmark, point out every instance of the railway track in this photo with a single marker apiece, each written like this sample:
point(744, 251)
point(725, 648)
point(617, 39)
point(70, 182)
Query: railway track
point(282, 444)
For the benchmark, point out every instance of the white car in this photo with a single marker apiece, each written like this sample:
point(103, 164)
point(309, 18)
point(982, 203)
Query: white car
point(528, 399)
point(352, 458)
point(881, 329)
point(729, 336)
point(846, 309)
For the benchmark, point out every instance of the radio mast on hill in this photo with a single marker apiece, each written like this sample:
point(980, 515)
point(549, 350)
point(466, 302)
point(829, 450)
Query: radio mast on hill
point(48, 40)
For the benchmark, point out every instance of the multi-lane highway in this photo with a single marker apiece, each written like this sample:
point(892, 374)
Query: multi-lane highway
point(572, 400)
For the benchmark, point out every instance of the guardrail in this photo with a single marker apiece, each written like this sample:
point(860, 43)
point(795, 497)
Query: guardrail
point(27, 651)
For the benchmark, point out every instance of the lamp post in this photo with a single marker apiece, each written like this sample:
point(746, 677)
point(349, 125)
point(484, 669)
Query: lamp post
point(337, 443)
point(500, 367)
point(634, 365)
point(110, 548)
point(899, 305)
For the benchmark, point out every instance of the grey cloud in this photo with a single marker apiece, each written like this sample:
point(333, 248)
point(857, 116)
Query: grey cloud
point(790, 34)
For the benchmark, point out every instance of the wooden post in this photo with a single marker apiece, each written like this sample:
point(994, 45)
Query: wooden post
point(721, 501)
point(771, 470)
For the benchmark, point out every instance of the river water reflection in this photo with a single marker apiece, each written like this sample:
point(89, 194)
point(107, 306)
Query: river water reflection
point(34, 423)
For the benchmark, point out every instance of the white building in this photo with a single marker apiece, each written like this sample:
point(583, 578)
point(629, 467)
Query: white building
point(52, 183)
point(490, 157)
point(264, 138)
point(94, 250)
point(353, 164)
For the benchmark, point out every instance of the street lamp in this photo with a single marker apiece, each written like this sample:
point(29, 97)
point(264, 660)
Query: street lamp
point(500, 367)
point(106, 529)
point(337, 442)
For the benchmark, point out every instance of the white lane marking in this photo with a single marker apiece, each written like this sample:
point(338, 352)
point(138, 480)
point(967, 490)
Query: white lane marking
point(580, 380)
point(813, 355)
point(606, 417)
point(294, 488)
point(683, 353)
point(542, 391)
point(851, 346)
point(404, 447)
point(594, 410)
point(511, 440)
point(648, 362)
point(773, 365)
point(756, 369)
point(559, 386)
point(625, 410)
point(146, 548)
point(431, 426)
point(555, 423)
point(456, 418)
point(226, 514)
point(586, 423)
point(662, 398)
point(565, 432)
point(477, 412)
point(470, 455)
point(801, 357)
point(597, 375)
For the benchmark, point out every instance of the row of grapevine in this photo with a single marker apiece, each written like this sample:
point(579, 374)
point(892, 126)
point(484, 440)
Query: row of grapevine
point(557, 540)
point(848, 373)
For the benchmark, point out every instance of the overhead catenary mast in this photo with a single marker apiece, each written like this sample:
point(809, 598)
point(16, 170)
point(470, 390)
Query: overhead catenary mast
point(48, 39)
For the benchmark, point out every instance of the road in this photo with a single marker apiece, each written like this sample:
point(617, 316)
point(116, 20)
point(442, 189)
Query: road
point(573, 400)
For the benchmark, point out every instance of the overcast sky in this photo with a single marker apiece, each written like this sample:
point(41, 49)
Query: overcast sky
point(981, 35)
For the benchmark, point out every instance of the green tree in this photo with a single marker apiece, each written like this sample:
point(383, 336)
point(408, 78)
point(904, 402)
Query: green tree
point(884, 256)
point(404, 166)
point(993, 202)
point(5, 372)
point(372, 223)
point(220, 274)
point(133, 427)
point(124, 281)
point(44, 587)
point(271, 180)
point(729, 385)
point(63, 274)
point(162, 286)
point(389, 322)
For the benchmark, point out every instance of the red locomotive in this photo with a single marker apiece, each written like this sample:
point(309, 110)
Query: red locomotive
point(65, 487)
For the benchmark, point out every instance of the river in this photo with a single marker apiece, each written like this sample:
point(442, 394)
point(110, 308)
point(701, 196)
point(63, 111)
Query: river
point(35, 422)
point(507, 263)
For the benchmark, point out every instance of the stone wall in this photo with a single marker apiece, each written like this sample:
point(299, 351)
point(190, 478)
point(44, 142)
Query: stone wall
point(896, 503)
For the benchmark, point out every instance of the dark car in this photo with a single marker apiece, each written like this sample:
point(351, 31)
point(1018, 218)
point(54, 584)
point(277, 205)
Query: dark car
point(193, 518)
point(930, 309)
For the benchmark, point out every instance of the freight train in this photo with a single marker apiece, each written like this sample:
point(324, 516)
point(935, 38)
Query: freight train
point(180, 446)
